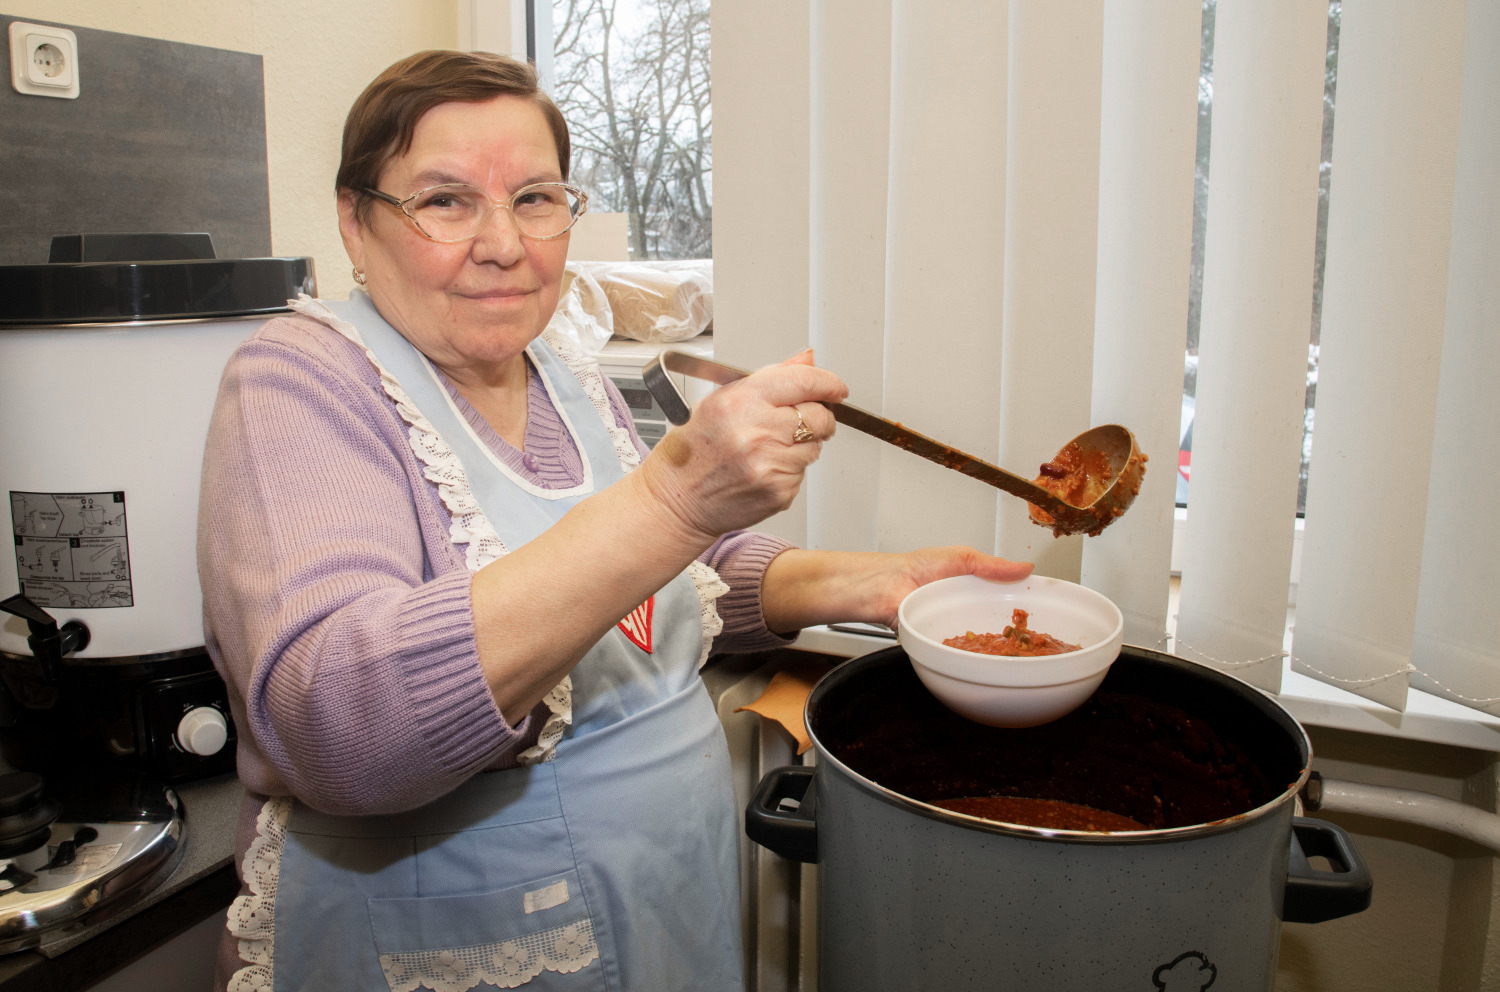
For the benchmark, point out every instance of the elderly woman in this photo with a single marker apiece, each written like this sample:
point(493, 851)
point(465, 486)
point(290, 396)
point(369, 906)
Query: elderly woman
point(461, 611)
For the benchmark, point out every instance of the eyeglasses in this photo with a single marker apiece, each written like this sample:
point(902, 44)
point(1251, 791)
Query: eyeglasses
point(455, 212)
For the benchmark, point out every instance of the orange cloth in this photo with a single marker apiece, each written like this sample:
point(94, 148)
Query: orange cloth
point(785, 700)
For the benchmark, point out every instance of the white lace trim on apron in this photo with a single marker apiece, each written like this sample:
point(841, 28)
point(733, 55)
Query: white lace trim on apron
point(252, 917)
point(506, 964)
point(710, 588)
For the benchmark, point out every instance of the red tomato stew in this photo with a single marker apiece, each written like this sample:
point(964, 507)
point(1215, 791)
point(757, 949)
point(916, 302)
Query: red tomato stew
point(1016, 641)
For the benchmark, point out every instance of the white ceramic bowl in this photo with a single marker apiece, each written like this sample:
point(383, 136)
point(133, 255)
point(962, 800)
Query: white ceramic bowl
point(1001, 691)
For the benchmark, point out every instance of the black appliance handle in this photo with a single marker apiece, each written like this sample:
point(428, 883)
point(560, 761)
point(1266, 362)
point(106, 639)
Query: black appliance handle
point(48, 642)
point(782, 815)
point(1314, 895)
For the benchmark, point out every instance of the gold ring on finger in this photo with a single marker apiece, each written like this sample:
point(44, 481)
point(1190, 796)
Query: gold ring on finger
point(802, 433)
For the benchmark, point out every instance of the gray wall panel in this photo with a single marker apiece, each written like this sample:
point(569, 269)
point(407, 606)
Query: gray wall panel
point(163, 137)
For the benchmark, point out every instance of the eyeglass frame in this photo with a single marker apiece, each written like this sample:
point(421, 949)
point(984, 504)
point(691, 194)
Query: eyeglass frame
point(399, 204)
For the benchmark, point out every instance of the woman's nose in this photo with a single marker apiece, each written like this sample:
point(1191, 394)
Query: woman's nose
point(499, 239)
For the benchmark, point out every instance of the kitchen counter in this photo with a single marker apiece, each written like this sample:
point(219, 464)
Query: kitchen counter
point(202, 883)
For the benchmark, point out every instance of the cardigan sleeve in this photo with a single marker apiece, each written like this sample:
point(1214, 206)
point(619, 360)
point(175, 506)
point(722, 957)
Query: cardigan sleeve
point(333, 603)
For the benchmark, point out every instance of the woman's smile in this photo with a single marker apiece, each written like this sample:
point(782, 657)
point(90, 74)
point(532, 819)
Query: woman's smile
point(498, 295)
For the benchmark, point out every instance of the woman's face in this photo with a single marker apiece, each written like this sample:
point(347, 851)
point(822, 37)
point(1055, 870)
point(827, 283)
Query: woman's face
point(476, 304)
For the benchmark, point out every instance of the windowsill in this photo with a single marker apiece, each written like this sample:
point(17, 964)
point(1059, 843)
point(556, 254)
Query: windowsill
point(1426, 718)
point(1313, 703)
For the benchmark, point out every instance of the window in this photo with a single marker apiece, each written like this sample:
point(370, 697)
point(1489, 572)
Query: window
point(632, 79)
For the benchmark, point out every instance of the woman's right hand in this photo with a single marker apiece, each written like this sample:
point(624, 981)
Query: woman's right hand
point(735, 462)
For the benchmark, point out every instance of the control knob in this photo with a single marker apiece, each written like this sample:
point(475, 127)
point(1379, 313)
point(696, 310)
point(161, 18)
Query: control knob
point(202, 730)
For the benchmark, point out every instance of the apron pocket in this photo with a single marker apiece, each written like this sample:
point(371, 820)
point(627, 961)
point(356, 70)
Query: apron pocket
point(538, 934)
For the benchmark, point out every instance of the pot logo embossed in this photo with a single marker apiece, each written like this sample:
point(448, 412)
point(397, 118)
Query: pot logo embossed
point(1189, 972)
point(637, 625)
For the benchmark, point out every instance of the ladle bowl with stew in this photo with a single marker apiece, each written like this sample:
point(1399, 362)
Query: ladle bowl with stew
point(1006, 691)
point(1094, 477)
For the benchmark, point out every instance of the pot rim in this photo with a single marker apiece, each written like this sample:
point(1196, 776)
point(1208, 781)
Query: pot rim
point(1258, 697)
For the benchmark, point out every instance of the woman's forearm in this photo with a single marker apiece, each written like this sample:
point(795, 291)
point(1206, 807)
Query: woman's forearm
point(539, 609)
point(804, 588)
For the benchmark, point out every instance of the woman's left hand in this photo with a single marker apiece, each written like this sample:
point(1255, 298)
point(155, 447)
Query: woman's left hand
point(804, 588)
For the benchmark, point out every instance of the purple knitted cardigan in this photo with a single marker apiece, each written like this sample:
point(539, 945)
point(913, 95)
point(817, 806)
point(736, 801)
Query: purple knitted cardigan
point(335, 603)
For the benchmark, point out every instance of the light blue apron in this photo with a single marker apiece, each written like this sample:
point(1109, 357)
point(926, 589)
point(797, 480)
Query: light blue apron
point(613, 866)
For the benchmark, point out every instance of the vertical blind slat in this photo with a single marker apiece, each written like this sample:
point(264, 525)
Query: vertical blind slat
point(761, 126)
point(1456, 649)
point(1148, 137)
point(1051, 227)
point(851, 87)
point(944, 255)
point(1389, 224)
point(1257, 306)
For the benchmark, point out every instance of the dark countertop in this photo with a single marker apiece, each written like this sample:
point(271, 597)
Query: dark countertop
point(202, 883)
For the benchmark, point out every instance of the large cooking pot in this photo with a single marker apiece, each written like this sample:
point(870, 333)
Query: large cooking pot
point(915, 896)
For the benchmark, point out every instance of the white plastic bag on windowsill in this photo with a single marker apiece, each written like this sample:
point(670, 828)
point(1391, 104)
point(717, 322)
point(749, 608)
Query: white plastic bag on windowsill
point(655, 301)
point(583, 312)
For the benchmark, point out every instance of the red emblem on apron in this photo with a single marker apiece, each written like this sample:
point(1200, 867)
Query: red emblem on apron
point(637, 625)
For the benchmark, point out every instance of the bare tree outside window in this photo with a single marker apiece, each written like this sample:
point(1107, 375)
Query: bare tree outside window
point(632, 79)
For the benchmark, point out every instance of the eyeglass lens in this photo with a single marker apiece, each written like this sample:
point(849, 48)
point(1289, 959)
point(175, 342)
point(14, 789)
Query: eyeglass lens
point(456, 213)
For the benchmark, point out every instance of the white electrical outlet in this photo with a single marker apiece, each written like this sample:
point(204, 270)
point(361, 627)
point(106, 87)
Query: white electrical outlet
point(43, 60)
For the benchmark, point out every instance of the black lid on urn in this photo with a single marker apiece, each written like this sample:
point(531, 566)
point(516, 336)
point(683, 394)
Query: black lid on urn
point(139, 277)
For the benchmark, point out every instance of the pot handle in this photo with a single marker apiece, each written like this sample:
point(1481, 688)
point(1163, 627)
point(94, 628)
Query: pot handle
point(782, 815)
point(1313, 895)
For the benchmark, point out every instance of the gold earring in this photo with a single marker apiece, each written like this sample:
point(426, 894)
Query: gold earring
point(359, 276)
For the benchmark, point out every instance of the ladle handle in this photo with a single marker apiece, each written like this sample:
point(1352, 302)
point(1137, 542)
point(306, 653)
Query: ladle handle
point(677, 411)
point(935, 451)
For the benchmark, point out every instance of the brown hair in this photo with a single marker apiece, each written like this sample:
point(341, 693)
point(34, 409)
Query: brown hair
point(383, 119)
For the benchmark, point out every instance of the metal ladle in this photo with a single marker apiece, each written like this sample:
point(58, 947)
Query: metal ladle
point(1113, 463)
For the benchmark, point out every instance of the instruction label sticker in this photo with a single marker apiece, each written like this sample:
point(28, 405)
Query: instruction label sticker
point(71, 549)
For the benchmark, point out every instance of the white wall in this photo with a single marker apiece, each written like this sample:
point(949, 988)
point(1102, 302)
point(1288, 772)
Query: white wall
point(318, 57)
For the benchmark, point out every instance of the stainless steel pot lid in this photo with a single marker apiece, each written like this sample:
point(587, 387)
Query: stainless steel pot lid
point(113, 843)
